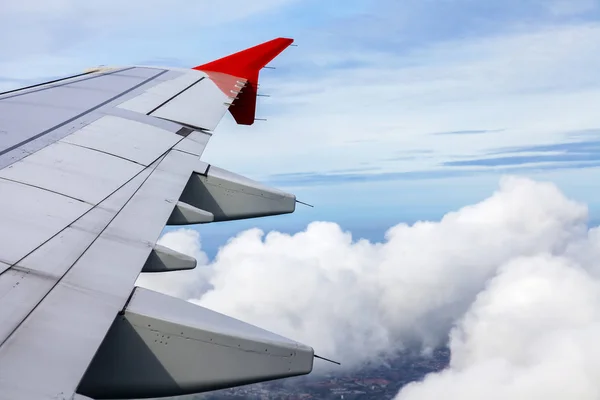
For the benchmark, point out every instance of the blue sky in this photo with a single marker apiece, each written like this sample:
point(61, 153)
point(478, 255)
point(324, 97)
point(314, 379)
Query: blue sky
point(387, 111)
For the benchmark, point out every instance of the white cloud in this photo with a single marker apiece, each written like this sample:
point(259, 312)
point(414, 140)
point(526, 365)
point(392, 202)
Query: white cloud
point(531, 334)
point(511, 282)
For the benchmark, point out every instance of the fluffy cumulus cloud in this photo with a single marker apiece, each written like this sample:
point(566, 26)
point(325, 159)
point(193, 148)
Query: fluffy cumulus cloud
point(529, 335)
point(510, 284)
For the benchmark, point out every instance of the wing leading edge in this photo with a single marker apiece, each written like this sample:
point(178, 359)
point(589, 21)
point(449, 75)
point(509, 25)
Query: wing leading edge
point(113, 156)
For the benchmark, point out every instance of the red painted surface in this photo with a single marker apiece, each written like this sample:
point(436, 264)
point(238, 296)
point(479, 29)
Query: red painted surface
point(245, 64)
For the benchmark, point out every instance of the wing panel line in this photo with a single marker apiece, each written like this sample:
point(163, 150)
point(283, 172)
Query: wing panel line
point(47, 190)
point(47, 131)
point(106, 152)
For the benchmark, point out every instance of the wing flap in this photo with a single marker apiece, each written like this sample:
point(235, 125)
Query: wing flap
point(163, 346)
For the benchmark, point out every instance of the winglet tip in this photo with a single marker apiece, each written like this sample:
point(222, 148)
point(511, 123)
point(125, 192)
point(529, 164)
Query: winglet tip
point(247, 64)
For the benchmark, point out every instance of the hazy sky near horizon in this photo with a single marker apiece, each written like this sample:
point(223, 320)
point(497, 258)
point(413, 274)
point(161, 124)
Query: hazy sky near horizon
point(387, 112)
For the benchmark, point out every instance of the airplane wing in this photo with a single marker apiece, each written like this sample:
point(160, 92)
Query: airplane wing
point(92, 167)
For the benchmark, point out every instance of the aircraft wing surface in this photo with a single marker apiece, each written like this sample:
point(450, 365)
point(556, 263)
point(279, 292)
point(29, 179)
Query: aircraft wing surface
point(92, 167)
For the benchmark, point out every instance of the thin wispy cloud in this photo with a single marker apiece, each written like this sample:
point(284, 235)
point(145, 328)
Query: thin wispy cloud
point(520, 160)
point(584, 133)
point(581, 153)
point(469, 132)
point(324, 179)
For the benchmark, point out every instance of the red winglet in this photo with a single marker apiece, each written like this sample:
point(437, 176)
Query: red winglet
point(245, 64)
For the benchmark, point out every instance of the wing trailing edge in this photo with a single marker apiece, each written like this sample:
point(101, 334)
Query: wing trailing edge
point(246, 65)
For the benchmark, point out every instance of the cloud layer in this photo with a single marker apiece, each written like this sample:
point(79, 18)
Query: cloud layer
point(510, 283)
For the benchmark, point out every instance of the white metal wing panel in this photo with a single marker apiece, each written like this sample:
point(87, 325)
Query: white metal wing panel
point(22, 289)
point(121, 137)
point(32, 215)
point(161, 93)
point(52, 346)
point(202, 106)
point(90, 294)
point(24, 286)
point(73, 171)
